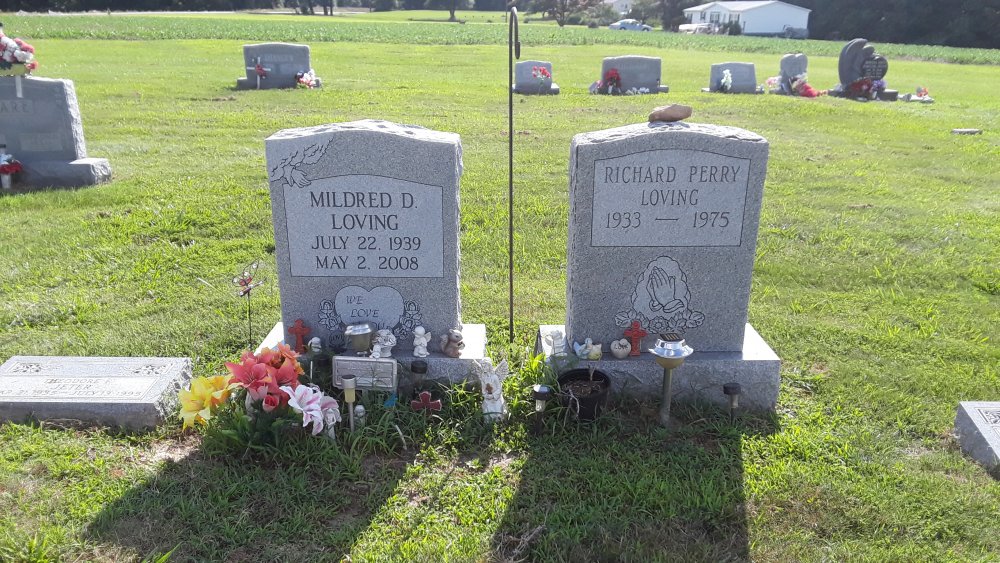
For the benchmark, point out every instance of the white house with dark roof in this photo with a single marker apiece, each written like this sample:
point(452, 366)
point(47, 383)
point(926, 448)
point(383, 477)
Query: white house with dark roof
point(756, 17)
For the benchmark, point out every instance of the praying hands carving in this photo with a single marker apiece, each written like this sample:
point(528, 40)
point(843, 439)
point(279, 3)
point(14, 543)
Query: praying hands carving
point(662, 289)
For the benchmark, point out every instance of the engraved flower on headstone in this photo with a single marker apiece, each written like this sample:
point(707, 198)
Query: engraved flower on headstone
point(26, 368)
point(328, 316)
point(991, 416)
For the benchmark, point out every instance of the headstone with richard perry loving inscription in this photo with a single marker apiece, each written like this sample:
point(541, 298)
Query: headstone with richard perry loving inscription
point(273, 65)
point(41, 127)
point(366, 223)
point(662, 236)
point(134, 393)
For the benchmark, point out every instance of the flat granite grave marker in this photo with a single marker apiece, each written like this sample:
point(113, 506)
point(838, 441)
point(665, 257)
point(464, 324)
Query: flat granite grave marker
point(528, 79)
point(366, 222)
point(133, 393)
point(662, 235)
point(636, 72)
point(977, 425)
point(274, 65)
point(744, 76)
point(40, 125)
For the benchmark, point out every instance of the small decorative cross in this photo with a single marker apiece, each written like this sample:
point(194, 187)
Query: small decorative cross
point(300, 330)
point(635, 335)
point(425, 403)
point(260, 70)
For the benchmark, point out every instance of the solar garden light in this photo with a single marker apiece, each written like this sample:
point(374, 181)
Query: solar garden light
point(670, 352)
point(361, 337)
point(350, 385)
point(541, 394)
point(732, 390)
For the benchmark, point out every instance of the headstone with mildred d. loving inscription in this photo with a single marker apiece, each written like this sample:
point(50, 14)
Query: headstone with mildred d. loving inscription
point(134, 393)
point(366, 223)
point(662, 235)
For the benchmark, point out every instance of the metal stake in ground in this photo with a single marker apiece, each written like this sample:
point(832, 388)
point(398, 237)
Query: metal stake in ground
point(247, 283)
point(514, 52)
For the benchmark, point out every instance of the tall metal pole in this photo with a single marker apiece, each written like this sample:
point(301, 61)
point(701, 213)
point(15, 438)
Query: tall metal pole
point(514, 51)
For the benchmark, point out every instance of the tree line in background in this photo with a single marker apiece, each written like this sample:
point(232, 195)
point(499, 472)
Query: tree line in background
point(958, 23)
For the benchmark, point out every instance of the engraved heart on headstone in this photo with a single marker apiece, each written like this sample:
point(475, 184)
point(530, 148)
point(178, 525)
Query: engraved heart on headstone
point(875, 67)
point(381, 306)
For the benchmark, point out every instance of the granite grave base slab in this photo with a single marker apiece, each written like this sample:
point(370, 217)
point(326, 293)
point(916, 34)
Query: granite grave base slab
point(977, 425)
point(701, 377)
point(552, 90)
point(440, 368)
point(132, 393)
point(59, 174)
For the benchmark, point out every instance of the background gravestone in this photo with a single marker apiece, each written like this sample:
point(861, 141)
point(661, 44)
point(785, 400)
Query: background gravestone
point(281, 61)
point(744, 77)
point(977, 424)
point(792, 65)
point(366, 222)
point(526, 83)
point(43, 130)
point(663, 231)
point(134, 393)
point(636, 72)
point(850, 66)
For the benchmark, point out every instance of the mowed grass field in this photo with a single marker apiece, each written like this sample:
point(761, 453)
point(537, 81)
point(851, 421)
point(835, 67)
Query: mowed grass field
point(877, 281)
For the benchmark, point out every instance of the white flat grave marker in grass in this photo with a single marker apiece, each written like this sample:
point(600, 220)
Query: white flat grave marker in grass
point(978, 427)
point(130, 393)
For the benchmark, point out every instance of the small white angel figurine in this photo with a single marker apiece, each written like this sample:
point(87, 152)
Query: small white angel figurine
point(421, 338)
point(384, 341)
point(491, 380)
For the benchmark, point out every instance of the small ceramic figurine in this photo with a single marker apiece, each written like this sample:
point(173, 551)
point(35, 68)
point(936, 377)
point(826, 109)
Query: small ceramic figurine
point(588, 350)
point(451, 343)
point(620, 348)
point(421, 338)
point(382, 346)
point(359, 416)
point(315, 345)
point(491, 380)
point(556, 342)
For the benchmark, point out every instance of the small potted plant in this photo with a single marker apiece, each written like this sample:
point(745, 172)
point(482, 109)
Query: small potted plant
point(584, 391)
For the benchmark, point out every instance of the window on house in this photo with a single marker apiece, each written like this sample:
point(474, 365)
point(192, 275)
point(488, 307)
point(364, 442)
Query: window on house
point(702, 16)
point(688, 17)
point(735, 18)
point(714, 18)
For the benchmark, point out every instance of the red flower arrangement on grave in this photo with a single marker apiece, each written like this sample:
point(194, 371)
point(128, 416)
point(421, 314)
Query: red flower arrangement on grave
point(16, 56)
point(541, 73)
point(612, 83)
point(259, 69)
point(8, 165)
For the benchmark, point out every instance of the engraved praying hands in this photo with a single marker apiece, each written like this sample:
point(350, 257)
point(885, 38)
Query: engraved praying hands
point(662, 290)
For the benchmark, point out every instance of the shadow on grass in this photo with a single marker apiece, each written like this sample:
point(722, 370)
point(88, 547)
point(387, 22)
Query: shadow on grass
point(310, 501)
point(623, 489)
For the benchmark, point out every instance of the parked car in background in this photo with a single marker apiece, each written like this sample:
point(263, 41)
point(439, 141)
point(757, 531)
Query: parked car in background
point(695, 28)
point(630, 25)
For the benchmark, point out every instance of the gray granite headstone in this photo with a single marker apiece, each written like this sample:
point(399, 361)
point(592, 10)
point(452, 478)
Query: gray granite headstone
point(131, 393)
point(977, 425)
point(280, 61)
point(744, 77)
point(663, 229)
point(662, 234)
point(525, 82)
point(636, 72)
point(366, 227)
point(792, 65)
point(40, 125)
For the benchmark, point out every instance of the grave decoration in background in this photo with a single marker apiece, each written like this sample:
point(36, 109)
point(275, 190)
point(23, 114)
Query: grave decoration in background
point(277, 65)
point(367, 250)
point(862, 73)
point(491, 382)
point(133, 393)
point(267, 400)
point(921, 95)
point(629, 75)
point(733, 78)
point(17, 58)
point(793, 80)
point(534, 77)
point(662, 238)
point(9, 166)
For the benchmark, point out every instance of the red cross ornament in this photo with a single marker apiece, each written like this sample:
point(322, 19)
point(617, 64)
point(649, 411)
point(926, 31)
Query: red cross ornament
point(635, 335)
point(425, 403)
point(300, 331)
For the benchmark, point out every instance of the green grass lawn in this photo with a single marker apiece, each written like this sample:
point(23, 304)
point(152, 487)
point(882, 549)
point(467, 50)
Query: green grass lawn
point(877, 281)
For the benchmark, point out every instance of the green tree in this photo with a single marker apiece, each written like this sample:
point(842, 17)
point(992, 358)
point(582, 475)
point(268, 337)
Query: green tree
point(560, 10)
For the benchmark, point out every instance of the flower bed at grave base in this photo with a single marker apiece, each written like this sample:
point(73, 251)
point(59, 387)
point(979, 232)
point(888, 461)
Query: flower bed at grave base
point(258, 401)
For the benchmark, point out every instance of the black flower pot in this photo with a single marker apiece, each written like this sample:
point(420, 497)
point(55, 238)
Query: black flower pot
point(584, 396)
